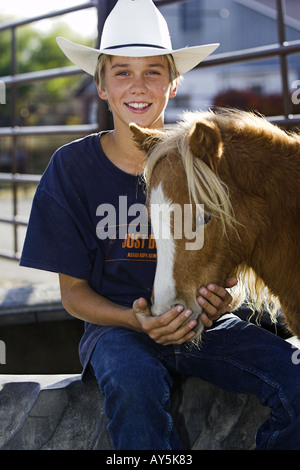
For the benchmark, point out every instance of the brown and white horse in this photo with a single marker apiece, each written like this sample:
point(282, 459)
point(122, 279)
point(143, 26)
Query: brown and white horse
point(246, 173)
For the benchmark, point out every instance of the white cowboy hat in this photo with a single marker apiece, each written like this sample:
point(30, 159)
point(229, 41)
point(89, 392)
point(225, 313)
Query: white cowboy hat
point(134, 28)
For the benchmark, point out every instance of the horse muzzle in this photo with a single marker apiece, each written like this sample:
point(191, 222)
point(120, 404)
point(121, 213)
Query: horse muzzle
point(157, 310)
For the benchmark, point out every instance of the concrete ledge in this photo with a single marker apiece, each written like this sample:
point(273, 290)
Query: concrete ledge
point(31, 304)
point(60, 412)
point(40, 336)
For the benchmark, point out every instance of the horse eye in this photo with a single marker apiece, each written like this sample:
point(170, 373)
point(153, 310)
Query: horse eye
point(203, 219)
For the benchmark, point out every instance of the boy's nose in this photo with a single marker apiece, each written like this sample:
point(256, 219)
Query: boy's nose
point(138, 86)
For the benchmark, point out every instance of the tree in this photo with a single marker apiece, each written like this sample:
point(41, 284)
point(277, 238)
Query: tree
point(43, 102)
point(38, 102)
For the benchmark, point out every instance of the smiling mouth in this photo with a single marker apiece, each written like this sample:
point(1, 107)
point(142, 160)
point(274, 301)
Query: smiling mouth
point(138, 106)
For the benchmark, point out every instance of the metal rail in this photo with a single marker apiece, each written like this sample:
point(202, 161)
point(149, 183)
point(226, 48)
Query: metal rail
point(103, 7)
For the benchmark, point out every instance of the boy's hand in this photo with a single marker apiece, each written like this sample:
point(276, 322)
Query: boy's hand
point(215, 301)
point(167, 328)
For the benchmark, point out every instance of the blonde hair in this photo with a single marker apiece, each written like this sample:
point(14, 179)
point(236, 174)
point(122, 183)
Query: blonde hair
point(99, 75)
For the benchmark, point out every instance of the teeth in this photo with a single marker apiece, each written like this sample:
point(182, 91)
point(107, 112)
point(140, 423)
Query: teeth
point(138, 105)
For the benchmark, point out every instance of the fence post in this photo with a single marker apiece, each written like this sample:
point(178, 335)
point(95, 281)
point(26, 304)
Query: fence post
point(104, 8)
point(14, 160)
point(283, 59)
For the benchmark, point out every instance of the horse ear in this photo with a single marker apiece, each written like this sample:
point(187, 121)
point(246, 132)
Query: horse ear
point(145, 138)
point(205, 143)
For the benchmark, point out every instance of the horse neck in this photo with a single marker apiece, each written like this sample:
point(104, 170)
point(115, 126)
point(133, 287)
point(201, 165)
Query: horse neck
point(268, 175)
point(259, 164)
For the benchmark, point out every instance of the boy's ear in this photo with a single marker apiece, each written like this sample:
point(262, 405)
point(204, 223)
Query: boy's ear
point(145, 138)
point(102, 94)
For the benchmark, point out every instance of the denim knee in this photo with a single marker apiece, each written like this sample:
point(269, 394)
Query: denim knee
point(135, 382)
point(137, 387)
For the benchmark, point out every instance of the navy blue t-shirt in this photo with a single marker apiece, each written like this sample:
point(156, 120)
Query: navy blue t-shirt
point(87, 222)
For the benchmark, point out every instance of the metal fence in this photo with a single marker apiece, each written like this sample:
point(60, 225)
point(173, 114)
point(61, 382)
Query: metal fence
point(282, 50)
point(14, 179)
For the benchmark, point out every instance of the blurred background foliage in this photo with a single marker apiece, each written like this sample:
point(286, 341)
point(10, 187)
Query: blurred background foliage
point(39, 103)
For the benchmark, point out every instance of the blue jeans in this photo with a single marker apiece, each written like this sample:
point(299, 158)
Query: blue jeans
point(135, 375)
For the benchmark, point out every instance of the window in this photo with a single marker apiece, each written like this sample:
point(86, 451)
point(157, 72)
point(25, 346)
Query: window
point(191, 15)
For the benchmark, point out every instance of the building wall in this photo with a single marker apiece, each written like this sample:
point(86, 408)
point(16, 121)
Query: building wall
point(235, 27)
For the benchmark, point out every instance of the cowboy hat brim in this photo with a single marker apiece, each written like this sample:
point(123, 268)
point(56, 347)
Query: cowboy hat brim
point(86, 57)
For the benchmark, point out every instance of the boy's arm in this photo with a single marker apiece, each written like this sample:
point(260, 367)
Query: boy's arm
point(82, 302)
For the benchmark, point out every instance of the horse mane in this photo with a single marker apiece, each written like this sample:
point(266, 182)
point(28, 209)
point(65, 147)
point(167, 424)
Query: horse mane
point(203, 184)
point(253, 292)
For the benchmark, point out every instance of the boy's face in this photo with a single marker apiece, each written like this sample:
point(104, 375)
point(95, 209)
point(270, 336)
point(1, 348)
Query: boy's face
point(137, 89)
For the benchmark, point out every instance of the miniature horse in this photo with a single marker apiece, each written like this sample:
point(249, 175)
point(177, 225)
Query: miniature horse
point(246, 173)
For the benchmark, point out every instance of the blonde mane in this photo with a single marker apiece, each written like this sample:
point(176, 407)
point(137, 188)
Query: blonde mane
point(204, 186)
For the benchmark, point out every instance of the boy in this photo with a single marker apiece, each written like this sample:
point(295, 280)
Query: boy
point(107, 281)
